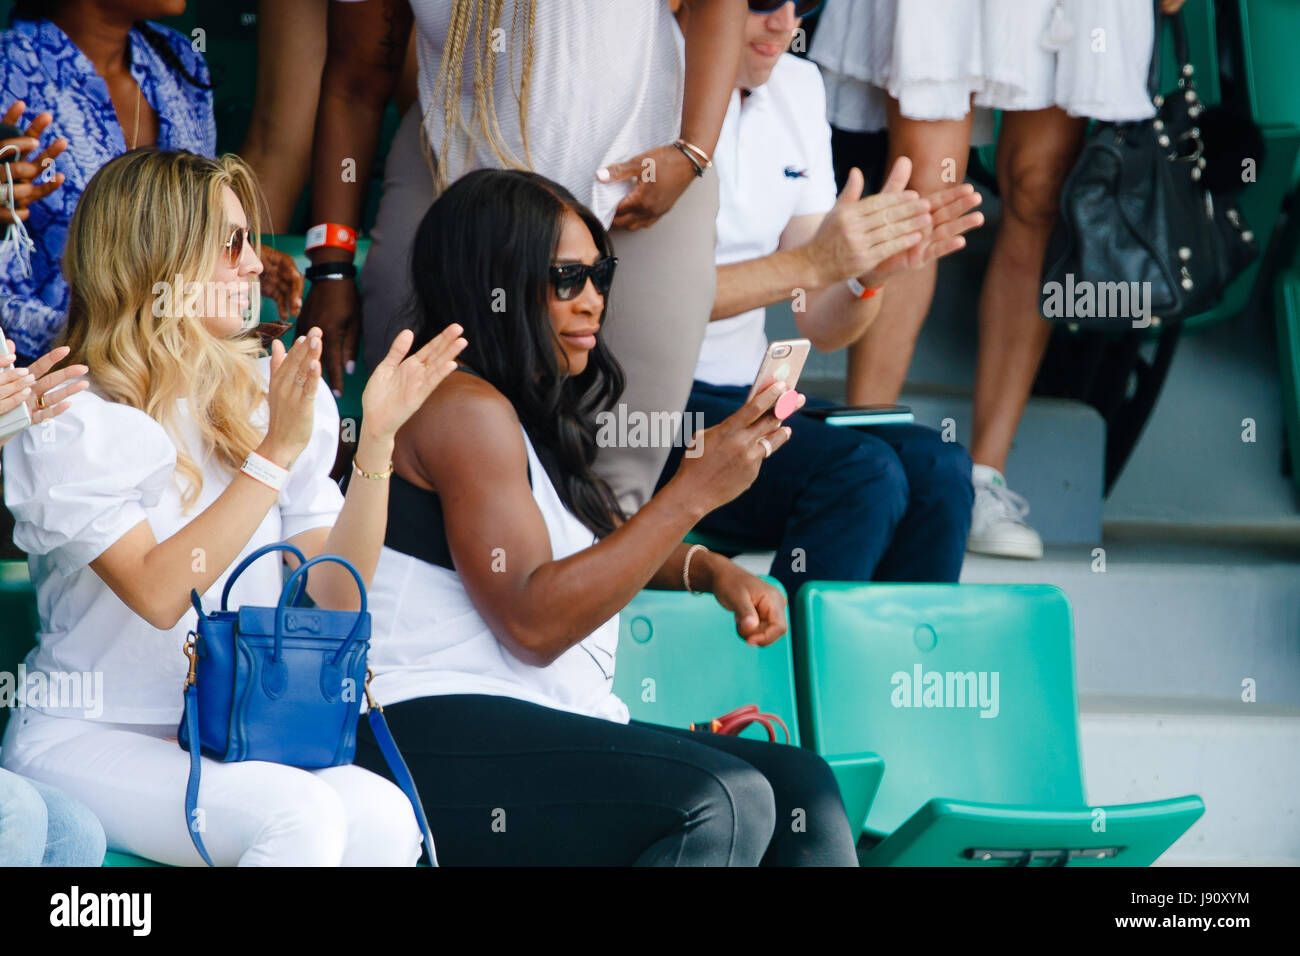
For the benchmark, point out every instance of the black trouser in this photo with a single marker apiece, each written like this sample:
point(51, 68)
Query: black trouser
point(505, 782)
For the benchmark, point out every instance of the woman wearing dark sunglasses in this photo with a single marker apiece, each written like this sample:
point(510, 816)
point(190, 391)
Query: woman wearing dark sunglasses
point(506, 563)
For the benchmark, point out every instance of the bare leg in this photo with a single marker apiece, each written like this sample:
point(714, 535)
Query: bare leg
point(290, 57)
point(1036, 150)
point(878, 362)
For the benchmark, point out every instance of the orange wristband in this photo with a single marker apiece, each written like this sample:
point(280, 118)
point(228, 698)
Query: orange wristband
point(332, 235)
point(861, 291)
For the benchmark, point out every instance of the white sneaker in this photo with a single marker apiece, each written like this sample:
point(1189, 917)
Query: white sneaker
point(997, 525)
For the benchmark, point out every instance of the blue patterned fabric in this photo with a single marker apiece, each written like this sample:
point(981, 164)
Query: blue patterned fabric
point(42, 67)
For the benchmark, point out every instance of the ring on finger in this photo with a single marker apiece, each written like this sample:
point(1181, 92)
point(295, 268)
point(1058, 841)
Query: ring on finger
point(300, 380)
point(40, 402)
point(767, 447)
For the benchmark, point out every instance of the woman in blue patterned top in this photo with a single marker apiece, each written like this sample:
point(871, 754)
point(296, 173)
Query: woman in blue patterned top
point(113, 82)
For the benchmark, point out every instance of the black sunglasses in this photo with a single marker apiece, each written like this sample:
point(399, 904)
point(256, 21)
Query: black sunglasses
point(235, 245)
point(570, 279)
point(802, 8)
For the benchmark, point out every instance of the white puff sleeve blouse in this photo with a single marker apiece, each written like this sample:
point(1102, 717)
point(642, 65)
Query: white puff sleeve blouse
point(79, 482)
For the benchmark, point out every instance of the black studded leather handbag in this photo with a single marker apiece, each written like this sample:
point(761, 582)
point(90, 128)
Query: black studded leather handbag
point(1141, 239)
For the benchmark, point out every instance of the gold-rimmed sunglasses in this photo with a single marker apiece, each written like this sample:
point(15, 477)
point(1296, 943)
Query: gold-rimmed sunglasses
point(235, 245)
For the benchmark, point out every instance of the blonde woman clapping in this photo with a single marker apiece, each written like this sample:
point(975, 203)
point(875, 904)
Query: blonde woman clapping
point(189, 451)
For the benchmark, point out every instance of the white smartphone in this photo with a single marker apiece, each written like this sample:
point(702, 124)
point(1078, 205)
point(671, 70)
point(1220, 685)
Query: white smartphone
point(16, 419)
point(783, 361)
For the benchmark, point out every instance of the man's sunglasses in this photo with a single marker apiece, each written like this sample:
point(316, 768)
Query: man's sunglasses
point(235, 245)
point(570, 279)
point(802, 8)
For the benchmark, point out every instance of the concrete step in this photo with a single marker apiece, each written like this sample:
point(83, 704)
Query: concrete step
point(1170, 618)
point(1241, 760)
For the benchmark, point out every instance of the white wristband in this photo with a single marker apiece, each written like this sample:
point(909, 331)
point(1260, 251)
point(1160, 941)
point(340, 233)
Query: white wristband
point(265, 471)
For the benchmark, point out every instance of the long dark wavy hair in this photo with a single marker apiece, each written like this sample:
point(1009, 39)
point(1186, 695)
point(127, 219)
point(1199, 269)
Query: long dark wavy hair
point(482, 257)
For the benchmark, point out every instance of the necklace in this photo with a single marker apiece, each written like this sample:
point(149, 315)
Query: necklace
point(135, 133)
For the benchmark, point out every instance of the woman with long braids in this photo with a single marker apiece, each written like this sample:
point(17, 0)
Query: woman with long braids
point(507, 561)
point(112, 81)
point(594, 94)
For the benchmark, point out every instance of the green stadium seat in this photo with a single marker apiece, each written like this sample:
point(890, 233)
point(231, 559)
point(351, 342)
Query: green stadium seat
point(18, 621)
point(968, 693)
point(114, 858)
point(1287, 312)
point(1269, 29)
point(680, 662)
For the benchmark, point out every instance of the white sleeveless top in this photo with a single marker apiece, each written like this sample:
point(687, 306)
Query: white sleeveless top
point(606, 85)
point(427, 638)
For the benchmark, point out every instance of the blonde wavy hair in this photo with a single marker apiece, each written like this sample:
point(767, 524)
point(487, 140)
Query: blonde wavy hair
point(474, 25)
point(145, 218)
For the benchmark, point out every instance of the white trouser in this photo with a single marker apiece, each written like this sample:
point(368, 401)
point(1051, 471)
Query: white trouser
point(253, 813)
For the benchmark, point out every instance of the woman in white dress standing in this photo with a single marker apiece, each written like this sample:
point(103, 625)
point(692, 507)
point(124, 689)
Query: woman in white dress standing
point(924, 68)
point(136, 493)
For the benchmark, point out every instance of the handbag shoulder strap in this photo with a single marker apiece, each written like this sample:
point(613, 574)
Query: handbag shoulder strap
point(196, 762)
point(402, 775)
point(1182, 52)
point(383, 737)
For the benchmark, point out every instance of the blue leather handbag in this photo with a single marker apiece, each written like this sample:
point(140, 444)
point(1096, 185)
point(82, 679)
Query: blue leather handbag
point(282, 684)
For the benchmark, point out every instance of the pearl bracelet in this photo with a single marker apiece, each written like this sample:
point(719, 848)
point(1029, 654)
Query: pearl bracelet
point(686, 566)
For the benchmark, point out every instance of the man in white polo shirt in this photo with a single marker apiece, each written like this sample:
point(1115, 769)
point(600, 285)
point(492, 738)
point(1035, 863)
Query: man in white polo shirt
point(890, 503)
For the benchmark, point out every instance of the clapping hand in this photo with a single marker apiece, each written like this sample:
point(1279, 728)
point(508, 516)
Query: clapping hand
point(950, 217)
point(46, 393)
point(400, 384)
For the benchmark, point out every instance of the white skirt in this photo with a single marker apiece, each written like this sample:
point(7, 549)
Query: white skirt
point(1088, 57)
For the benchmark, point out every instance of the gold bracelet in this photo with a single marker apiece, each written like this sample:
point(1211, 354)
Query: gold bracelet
point(375, 477)
point(695, 163)
point(704, 157)
point(686, 566)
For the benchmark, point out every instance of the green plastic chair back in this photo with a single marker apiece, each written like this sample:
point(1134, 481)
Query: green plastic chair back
point(1269, 30)
point(681, 662)
point(18, 625)
point(115, 858)
point(966, 691)
point(1287, 311)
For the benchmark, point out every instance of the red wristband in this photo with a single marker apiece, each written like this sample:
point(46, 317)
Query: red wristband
point(332, 235)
